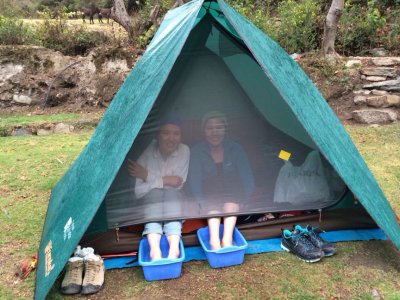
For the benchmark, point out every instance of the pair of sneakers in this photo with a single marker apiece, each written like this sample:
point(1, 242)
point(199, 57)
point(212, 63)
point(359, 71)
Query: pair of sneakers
point(306, 243)
point(83, 275)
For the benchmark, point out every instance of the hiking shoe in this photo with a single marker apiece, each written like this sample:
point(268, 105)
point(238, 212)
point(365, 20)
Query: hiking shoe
point(72, 282)
point(297, 243)
point(94, 275)
point(313, 235)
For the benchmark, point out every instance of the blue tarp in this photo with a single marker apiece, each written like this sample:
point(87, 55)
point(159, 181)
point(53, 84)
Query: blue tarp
point(259, 246)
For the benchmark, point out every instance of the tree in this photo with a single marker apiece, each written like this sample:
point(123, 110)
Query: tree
point(330, 28)
point(119, 14)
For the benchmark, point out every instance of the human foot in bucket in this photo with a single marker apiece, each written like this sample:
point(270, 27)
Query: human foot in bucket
point(173, 241)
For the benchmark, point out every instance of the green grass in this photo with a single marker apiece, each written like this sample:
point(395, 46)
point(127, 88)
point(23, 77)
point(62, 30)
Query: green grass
point(380, 148)
point(29, 119)
point(7, 122)
point(30, 166)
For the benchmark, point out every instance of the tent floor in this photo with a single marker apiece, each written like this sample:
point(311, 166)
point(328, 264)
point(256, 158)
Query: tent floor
point(112, 241)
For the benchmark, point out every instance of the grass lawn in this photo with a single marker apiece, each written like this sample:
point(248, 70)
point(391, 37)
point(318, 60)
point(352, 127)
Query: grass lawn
point(31, 165)
point(30, 119)
point(8, 122)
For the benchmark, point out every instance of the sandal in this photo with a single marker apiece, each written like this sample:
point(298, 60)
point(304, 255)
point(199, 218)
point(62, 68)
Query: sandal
point(266, 217)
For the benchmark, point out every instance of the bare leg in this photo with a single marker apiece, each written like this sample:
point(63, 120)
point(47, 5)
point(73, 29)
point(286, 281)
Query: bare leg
point(229, 225)
point(154, 243)
point(173, 241)
point(213, 226)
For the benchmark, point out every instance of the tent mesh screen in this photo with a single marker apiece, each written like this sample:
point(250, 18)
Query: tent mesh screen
point(213, 100)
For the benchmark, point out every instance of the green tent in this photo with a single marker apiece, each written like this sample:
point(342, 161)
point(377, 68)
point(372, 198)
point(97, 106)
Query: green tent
point(217, 46)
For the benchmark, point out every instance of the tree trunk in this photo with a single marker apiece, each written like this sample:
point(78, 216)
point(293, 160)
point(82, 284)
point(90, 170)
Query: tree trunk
point(151, 20)
point(120, 15)
point(154, 20)
point(331, 23)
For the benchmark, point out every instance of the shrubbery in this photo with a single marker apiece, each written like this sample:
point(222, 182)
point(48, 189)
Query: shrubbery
point(293, 24)
point(358, 28)
point(60, 36)
point(54, 34)
point(390, 33)
point(298, 25)
point(15, 32)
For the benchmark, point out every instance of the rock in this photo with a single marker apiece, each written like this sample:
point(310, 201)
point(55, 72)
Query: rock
point(86, 123)
point(387, 85)
point(379, 93)
point(22, 99)
point(116, 65)
point(375, 78)
point(8, 70)
point(47, 126)
point(360, 100)
point(392, 100)
point(15, 79)
point(384, 101)
point(63, 128)
point(353, 63)
point(5, 86)
point(362, 92)
point(379, 52)
point(347, 116)
point(380, 71)
point(376, 101)
point(42, 132)
point(6, 96)
point(375, 116)
point(20, 132)
point(295, 56)
point(386, 61)
point(375, 294)
point(353, 73)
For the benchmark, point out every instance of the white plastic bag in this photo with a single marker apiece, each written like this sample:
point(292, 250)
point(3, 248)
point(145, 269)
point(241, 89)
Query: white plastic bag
point(304, 184)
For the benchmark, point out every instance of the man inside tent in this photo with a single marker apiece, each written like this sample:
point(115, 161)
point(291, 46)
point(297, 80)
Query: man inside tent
point(160, 172)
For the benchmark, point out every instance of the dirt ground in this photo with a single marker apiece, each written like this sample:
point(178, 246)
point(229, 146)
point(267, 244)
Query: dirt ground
point(335, 83)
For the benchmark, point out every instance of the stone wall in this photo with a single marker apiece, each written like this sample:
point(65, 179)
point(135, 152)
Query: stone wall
point(378, 96)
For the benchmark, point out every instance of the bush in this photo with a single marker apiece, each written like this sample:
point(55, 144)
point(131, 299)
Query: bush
point(390, 33)
point(58, 35)
point(358, 28)
point(293, 24)
point(298, 30)
point(15, 32)
point(298, 25)
point(259, 14)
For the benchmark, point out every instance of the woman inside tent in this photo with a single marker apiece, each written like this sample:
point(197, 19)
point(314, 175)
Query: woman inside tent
point(160, 173)
point(220, 177)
